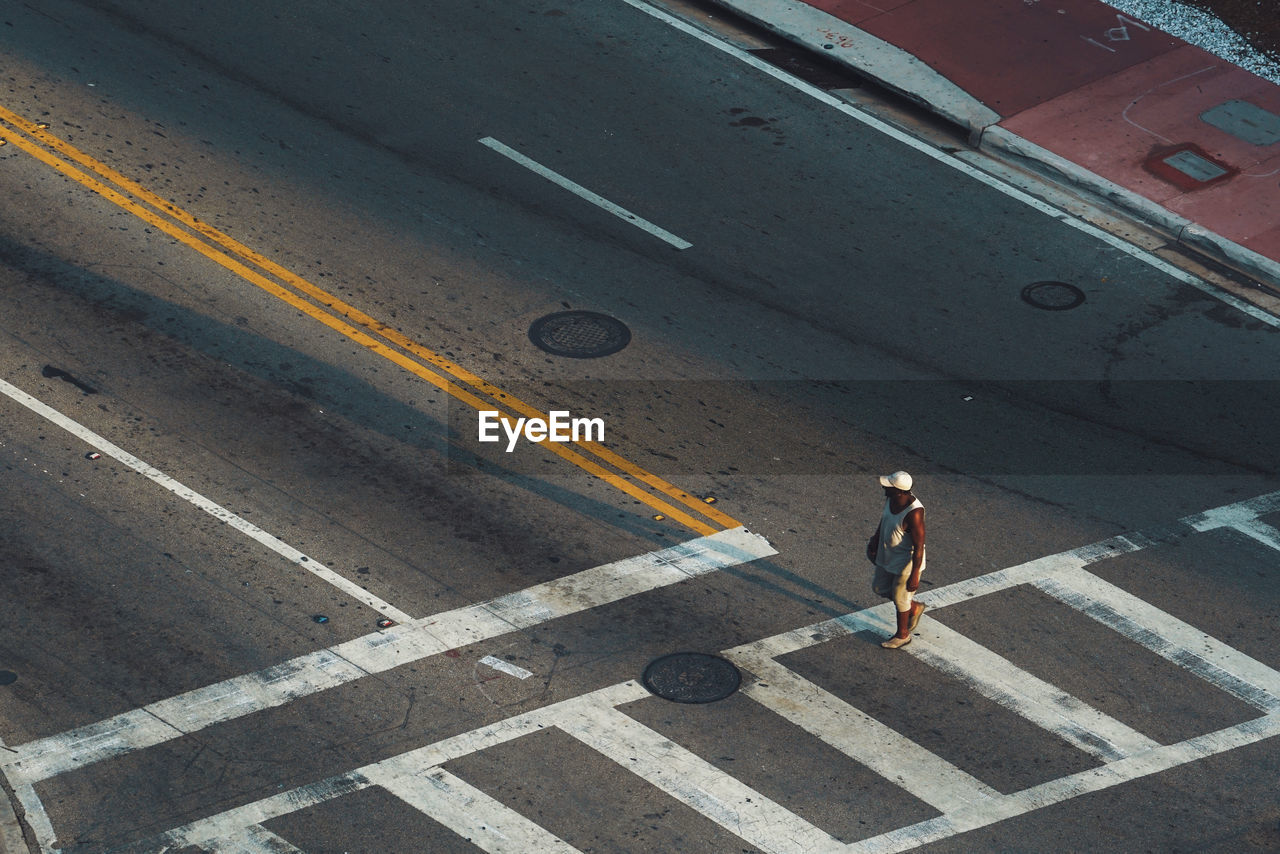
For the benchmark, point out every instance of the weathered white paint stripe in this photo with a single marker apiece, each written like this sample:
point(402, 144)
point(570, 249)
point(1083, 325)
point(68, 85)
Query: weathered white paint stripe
point(11, 839)
point(583, 193)
point(1065, 788)
point(215, 510)
point(36, 817)
point(506, 667)
point(1260, 531)
point(969, 804)
point(1045, 705)
point(476, 817)
point(377, 652)
point(971, 588)
point(176, 716)
point(1235, 514)
point(226, 824)
point(254, 839)
point(859, 736)
point(693, 781)
point(503, 731)
point(1222, 666)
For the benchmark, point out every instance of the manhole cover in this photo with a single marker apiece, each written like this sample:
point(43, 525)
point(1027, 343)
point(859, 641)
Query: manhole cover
point(1053, 296)
point(691, 677)
point(8, 677)
point(579, 334)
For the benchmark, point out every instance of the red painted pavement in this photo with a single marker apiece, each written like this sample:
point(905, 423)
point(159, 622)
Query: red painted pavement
point(1102, 90)
point(1112, 126)
point(1011, 54)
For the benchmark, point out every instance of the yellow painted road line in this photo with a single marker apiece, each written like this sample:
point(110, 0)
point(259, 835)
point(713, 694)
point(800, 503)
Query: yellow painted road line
point(206, 241)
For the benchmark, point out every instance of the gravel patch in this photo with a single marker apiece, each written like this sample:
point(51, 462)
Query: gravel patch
point(1205, 30)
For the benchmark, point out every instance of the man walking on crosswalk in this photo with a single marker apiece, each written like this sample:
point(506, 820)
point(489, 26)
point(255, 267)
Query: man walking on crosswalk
point(897, 550)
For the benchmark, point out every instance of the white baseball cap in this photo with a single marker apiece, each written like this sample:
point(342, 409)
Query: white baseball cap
point(898, 480)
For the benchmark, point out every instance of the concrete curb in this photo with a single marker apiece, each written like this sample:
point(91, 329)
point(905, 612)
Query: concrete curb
point(904, 73)
point(1014, 149)
point(887, 64)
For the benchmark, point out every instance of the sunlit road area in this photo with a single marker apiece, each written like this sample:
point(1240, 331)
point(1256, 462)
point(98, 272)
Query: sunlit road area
point(281, 572)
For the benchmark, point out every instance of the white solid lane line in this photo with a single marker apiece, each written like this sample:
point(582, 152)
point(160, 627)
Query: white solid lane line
point(217, 511)
point(583, 193)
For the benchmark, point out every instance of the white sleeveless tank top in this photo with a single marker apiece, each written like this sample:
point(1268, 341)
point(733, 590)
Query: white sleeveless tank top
point(894, 552)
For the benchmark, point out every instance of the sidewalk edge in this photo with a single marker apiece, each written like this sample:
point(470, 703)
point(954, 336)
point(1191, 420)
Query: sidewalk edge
point(1013, 148)
point(886, 64)
point(902, 72)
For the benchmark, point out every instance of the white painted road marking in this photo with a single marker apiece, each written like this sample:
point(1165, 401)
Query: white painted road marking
point(506, 667)
point(469, 812)
point(859, 736)
point(1225, 668)
point(374, 653)
point(966, 802)
point(693, 781)
point(225, 824)
point(215, 510)
point(254, 839)
point(1048, 707)
point(584, 193)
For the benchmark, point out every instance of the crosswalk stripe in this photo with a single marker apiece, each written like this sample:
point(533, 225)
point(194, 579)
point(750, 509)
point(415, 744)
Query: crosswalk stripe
point(966, 803)
point(1226, 668)
point(1071, 786)
point(861, 737)
point(377, 652)
point(1260, 531)
point(203, 831)
point(1045, 705)
point(693, 781)
point(206, 832)
point(476, 817)
point(1232, 514)
point(254, 839)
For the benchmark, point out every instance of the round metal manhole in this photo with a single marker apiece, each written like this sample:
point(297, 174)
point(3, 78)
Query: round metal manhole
point(691, 677)
point(580, 334)
point(1053, 296)
point(8, 677)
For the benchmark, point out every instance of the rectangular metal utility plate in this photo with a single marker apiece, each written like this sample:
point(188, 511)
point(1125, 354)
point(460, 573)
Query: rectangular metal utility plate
point(1192, 164)
point(1245, 121)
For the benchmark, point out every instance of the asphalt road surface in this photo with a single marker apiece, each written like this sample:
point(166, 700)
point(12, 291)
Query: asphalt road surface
point(265, 589)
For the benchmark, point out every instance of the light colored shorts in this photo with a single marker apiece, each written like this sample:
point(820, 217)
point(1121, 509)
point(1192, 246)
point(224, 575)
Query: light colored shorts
point(889, 586)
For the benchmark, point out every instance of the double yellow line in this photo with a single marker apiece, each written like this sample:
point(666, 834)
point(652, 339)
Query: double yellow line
point(651, 490)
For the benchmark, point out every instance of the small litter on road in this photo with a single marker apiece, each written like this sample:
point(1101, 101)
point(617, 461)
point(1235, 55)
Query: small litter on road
point(320, 618)
point(386, 623)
